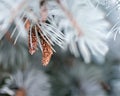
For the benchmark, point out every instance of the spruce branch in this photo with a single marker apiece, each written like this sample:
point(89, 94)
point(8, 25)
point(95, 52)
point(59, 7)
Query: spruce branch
point(93, 35)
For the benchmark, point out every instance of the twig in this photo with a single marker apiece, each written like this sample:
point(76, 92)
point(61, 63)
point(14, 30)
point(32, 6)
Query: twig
point(15, 11)
point(71, 18)
point(20, 92)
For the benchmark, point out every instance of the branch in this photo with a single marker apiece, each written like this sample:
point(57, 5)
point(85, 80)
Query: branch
point(71, 18)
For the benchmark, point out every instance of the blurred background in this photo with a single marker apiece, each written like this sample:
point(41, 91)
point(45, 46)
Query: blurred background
point(59, 48)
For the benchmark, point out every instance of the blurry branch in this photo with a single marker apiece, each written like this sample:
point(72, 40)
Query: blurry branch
point(20, 92)
point(15, 12)
point(43, 11)
point(71, 18)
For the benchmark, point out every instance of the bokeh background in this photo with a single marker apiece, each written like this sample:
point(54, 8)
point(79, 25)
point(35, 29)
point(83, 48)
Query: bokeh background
point(85, 37)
